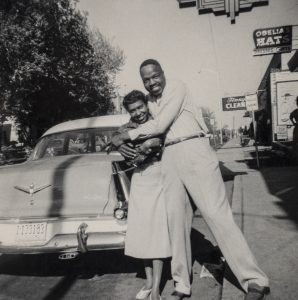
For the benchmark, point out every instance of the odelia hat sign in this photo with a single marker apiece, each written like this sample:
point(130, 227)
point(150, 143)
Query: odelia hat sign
point(273, 40)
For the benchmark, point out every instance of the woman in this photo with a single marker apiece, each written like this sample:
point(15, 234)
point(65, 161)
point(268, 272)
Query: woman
point(147, 235)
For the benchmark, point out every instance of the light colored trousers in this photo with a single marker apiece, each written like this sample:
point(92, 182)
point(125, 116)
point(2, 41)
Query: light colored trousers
point(192, 165)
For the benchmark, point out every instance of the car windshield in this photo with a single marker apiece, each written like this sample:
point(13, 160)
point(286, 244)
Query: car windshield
point(73, 142)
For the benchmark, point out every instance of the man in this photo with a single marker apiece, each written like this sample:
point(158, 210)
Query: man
point(189, 164)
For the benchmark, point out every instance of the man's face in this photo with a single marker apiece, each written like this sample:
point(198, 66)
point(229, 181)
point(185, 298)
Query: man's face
point(138, 111)
point(153, 79)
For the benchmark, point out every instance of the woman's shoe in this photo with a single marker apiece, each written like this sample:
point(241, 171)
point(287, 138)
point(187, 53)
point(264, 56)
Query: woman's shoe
point(143, 293)
point(150, 298)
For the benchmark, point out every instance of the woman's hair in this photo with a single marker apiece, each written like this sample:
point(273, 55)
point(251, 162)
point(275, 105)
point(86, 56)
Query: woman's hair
point(133, 97)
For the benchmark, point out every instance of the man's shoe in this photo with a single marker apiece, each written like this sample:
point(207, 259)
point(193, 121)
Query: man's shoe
point(176, 296)
point(256, 292)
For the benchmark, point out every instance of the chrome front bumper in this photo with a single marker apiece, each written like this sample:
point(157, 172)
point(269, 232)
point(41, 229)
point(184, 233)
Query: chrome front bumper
point(67, 235)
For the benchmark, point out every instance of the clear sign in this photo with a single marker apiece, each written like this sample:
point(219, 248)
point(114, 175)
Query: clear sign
point(233, 103)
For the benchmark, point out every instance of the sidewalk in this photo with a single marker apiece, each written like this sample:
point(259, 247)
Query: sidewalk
point(265, 206)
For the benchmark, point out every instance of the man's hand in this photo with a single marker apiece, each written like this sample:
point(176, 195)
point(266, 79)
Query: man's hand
point(146, 147)
point(151, 145)
point(127, 151)
point(119, 139)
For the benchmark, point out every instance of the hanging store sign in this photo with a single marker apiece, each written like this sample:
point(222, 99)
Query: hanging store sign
point(251, 102)
point(233, 103)
point(273, 40)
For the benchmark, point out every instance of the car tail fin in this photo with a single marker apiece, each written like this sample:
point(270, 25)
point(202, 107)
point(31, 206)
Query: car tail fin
point(122, 176)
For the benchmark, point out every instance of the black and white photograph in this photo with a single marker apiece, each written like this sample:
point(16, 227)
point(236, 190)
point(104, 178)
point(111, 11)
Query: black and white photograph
point(148, 149)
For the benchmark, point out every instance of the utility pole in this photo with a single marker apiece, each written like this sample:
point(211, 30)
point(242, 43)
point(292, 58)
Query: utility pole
point(233, 126)
point(220, 132)
point(252, 105)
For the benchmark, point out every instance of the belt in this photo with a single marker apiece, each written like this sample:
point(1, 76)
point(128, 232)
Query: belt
point(185, 138)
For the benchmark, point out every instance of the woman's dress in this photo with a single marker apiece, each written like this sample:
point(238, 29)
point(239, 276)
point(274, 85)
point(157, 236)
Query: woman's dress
point(147, 228)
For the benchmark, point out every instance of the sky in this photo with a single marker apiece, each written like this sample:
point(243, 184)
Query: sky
point(214, 57)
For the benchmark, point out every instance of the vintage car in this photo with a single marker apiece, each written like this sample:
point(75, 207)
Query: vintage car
point(68, 197)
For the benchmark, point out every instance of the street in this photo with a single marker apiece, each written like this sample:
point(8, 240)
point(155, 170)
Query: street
point(266, 214)
point(92, 92)
point(100, 275)
point(104, 275)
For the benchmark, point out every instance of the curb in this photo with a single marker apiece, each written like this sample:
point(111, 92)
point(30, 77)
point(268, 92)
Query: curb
point(237, 199)
point(229, 291)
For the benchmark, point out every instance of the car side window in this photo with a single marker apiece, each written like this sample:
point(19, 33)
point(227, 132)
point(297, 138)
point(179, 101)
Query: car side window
point(101, 141)
point(54, 148)
point(79, 142)
point(74, 142)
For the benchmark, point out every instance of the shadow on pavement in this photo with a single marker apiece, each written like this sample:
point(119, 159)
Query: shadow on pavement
point(61, 289)
point(67, 273)
point(228, 174)
point(281, 178)
point(85, 266)
point(204, 252)
point(230, 277)
point(267, 158)
point(282, 183)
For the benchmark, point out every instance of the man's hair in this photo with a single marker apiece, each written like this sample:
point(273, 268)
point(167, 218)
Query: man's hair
point(150, 62)
point(133, 97)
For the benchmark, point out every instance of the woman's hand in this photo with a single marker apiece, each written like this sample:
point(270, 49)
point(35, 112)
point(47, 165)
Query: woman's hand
point(127, 151)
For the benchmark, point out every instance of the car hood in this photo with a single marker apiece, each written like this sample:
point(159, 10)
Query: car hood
point(65, 186)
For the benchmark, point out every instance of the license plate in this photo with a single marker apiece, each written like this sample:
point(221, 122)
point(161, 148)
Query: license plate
point(31, 232)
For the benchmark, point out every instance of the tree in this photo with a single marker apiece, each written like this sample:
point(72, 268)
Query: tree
point(52, 66)
point(3, 116)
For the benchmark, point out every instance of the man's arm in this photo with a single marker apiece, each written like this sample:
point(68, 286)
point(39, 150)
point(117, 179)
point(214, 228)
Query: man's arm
point(170, 108)
point(125, 149)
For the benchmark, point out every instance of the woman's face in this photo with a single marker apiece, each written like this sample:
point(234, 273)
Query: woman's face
point(138, 111)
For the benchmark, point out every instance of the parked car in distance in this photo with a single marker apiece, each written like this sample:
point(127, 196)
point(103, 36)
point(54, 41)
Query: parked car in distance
point(66, 198)
point(2, 159)
point(13, 155)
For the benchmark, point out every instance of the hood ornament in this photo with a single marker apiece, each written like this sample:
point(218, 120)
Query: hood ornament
point(31, 190)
